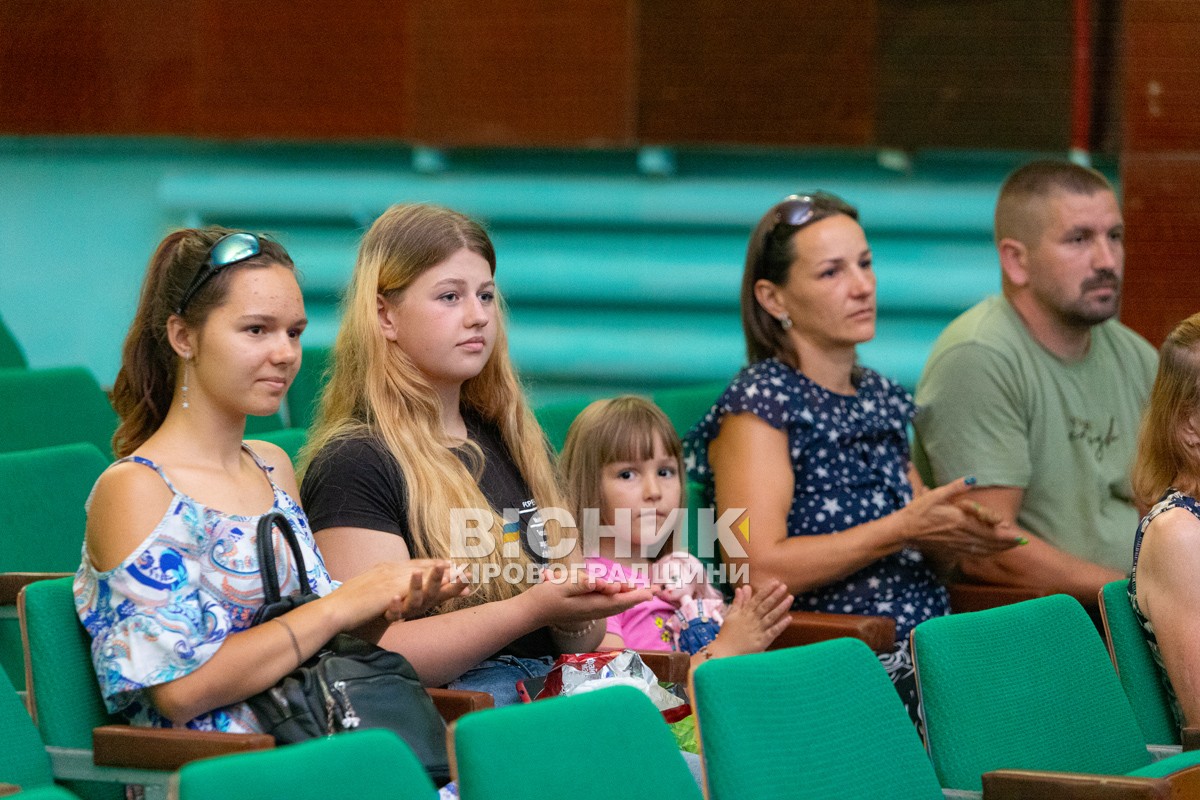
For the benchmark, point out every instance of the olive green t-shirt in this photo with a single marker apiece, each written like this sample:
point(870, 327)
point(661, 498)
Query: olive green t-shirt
point(995, 404)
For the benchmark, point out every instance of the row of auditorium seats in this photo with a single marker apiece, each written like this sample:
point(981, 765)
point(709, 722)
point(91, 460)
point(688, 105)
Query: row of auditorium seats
point(1019, 701)
point(42, 490)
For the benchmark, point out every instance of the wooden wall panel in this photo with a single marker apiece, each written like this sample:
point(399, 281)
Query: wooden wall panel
point(307, 69)
point(975, 73)
point(96, 67)
point(523, 72)
point(1160, 164)
point(1162, 217)
point(1162, 75)
point(757, 72)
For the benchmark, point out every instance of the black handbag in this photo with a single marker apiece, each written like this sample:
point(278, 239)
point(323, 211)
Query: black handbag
point(349, 684)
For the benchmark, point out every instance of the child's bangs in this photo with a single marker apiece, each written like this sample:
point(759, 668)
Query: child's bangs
point(629, 431)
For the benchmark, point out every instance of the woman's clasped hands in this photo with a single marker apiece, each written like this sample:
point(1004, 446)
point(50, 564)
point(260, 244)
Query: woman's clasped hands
point(945, 522)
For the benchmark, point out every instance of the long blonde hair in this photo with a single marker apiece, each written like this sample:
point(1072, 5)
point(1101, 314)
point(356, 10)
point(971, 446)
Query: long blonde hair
point(1162, 454)
point(375, 390)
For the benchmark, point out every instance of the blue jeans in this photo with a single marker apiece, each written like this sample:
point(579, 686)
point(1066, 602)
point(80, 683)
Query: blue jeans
point(498, 676)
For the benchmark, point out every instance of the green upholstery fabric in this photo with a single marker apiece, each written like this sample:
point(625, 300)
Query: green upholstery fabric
point(592, 746)
point(556, 417)
point(66, 696)
point(11, 354)
point(808, 722)
point(687, 404)
point(42, 493)
point(44, 793)
point(257, 425)
point(23, 759)
point(1025, 686)
point(290, 439)
point(364, 765)
point(305, 391)
point(42, 518)
point(1136, 668)
point(45, 407)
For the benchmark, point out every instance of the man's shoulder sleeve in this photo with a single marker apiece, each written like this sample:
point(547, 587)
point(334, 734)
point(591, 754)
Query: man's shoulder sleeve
point(972, 416)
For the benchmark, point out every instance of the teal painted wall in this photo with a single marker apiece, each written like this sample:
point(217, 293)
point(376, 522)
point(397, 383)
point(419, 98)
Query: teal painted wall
point(616, 277)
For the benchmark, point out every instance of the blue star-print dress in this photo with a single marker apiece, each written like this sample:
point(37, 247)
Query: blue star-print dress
point(850, 463)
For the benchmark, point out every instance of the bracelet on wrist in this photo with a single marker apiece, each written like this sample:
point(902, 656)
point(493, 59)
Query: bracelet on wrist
point(573, 633)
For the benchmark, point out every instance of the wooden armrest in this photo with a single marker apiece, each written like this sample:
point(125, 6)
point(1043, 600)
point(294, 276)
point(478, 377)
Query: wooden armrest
point(1018, 784)
point(980, 596)
point(11, 583)
point(453, 703)
point(167, 748)
point(668, 665)
point(807, 627)
point(8, 788)
point(1190, 738)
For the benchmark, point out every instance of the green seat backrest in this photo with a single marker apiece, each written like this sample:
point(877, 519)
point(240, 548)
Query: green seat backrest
point(1024, 686)
point(65, 694)
point(1136, 667)
point(305, 392)
point(364, 765)
point(45, 407)
point(11, 354)
point(23, 759)
point(51, 792)
point(290, 439)
point(585, 747)
point(42, 493)
point(685, 405)
point(808, 722)
point(556, 417)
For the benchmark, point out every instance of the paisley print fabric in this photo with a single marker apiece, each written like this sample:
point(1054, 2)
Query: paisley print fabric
point(165, 610)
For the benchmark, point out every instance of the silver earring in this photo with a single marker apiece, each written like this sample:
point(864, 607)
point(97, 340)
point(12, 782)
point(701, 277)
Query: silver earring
point(186, 362)
point(785, 322)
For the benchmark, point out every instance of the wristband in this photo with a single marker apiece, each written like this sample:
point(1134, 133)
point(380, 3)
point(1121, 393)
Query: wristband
point(573, 633)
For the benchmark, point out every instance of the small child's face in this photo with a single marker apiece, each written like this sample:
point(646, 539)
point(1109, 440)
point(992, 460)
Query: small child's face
point(639, 496)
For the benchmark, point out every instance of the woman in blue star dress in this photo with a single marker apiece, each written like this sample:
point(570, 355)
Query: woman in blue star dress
point(814, 446)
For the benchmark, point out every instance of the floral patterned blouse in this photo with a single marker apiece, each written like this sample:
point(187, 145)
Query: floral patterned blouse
point(168, 607)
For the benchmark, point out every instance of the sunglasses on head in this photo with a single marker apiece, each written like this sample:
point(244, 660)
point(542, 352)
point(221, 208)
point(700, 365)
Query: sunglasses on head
point(797, 210)
point(230, 249)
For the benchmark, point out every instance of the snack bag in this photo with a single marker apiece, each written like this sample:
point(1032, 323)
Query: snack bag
point(584, 672)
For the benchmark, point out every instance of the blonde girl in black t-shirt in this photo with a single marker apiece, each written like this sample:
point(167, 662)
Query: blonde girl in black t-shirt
point(423, 431)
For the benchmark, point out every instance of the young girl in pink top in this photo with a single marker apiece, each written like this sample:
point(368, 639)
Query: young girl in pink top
point(621, 468)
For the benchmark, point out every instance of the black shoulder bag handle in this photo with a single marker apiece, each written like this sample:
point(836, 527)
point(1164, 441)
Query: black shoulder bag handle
point(348, 684)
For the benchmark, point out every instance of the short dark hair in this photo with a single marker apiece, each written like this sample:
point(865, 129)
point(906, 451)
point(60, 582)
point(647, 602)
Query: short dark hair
point(1017, 214)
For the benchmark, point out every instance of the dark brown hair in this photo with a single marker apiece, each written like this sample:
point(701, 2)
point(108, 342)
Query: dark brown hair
point(145, 384)
point(769, 256)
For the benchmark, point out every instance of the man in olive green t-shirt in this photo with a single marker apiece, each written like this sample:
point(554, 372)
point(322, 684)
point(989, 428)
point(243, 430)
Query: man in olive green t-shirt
point(1038, 393)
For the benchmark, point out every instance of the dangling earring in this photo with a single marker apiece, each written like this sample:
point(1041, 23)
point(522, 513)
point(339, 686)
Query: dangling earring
point(785, 322)
point(187, 360)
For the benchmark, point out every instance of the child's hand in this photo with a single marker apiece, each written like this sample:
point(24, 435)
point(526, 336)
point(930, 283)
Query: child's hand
point(753, 620)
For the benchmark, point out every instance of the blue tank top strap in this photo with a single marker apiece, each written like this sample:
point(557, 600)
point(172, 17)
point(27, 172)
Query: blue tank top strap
point(148, 463)
point(263, 465)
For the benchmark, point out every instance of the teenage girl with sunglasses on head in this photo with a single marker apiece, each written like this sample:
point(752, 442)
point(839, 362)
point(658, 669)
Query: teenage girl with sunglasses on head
point(169, 581)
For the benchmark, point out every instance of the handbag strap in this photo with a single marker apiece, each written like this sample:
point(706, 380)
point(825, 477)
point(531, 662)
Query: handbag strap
point(267, 524)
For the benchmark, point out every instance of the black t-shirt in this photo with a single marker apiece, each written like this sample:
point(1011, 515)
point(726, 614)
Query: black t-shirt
point(355, 483)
